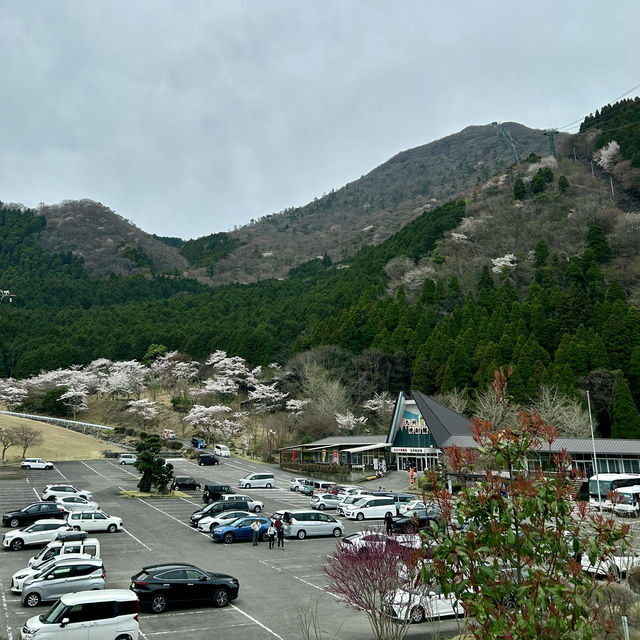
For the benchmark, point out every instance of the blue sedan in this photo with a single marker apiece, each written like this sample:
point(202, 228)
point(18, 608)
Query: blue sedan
point(241, 530)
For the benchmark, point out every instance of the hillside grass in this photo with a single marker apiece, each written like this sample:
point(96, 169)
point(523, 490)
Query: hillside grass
point(59, 444)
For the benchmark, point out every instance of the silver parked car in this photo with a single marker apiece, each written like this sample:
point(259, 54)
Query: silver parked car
point(324, 501)
point(300, 524)
point(67, 576)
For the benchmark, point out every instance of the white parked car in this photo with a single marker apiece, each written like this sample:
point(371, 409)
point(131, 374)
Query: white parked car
point(425, 603)
point(209, 523)
point(348, 500)
point(40, 532)
point(222, 450)
point(53, 491)
point(615, 566)
point(35, 463)
point(94, 521)
point(254, 505)
point(362, 539)
point(127, 458)
point(297, 483)
point(76, 503)
point(370, 507)
point(408, 507)
point(18, 578)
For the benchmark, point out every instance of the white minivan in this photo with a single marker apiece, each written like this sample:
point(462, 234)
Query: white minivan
point(260, 480)
point(222, 450)
point(370, 507)
point(87, 615)
point(77, 542)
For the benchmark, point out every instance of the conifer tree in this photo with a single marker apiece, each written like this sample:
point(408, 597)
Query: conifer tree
point(626, 419)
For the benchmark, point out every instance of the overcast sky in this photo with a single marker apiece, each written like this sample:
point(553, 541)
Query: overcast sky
point(189, 117)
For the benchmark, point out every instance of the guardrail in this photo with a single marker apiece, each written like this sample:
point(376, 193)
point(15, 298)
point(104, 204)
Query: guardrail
point(72, 424)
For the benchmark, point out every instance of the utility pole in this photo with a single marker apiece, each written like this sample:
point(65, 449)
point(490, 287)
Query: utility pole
point(552, 143)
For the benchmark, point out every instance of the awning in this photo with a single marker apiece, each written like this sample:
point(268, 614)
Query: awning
point(369, 447)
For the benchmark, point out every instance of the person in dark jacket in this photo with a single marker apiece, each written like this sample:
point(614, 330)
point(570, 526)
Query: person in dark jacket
point(388, 523)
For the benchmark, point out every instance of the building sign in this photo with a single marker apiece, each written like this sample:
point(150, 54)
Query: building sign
point(413, 423)
point(410, 450)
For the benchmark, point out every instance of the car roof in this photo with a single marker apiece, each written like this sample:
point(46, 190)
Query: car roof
point(62, 523)
point(169, 565)
point(80, 597)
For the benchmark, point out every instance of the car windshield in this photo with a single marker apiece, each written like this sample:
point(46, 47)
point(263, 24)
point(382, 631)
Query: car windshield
point(55, 614)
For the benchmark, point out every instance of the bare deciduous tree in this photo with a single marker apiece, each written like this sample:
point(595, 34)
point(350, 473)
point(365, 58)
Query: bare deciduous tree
point(7, 439)
point(570, 418)
point(27, 436)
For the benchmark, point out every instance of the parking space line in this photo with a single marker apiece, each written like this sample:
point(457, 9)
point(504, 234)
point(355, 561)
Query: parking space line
point(120, 467)
point(37, 494)
point(94, 471)
point(5, 608)
point(197, 504)
point(184, 524)
point(315, 586)
point(136, 539)
point(244, 613)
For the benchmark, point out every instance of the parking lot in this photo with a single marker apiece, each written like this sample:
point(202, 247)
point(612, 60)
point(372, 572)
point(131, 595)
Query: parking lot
point(275, 585)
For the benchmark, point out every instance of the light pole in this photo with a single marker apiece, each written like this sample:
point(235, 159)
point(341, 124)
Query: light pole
point(270, 435)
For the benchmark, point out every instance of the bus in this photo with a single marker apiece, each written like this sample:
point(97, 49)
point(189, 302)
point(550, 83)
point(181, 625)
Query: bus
point(609, 482)
point(628, 501)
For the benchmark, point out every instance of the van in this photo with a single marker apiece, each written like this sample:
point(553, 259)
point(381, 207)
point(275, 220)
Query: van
point(65, 576)
point(207, 459)
point(85, 615)
point(168, 434)
point(301, 524)
point(216, 508)
point(127, 458)
point(370, 507)
point(312, 486)
point(77, 542)
point(212, 492)
point(260, 480)
point(222, 450)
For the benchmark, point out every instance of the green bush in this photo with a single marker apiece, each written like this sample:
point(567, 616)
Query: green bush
point(173, 445)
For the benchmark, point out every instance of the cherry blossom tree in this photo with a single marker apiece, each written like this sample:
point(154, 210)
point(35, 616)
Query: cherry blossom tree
point(144, 410)
point(207, 420)
point(608, 155)
point(266, 398)
point(75, 398)
point(347, 422)
point(12, 393)
point(296, 407)
point(381, 406)
point(126, 378)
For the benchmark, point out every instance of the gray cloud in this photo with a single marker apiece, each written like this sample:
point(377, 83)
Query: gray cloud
point(189, 117)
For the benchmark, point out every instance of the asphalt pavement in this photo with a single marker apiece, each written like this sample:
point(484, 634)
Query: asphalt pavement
point(276, 586)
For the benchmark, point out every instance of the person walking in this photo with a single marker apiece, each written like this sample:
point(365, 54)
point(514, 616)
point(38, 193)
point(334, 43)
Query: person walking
point(271, 533)
point(280, 534)
point(255, 526)
point(388, 523)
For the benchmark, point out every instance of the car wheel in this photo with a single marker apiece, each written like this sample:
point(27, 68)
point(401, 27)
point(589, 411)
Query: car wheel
point(247, 486)
point(221, 598)
point(296, 489)
point(14, 522)
point(337, 533)
point(158, 603)
point(121, 462)
point(258, 509)
point(16, 544)
point(268, 485)
point(125, 637)
point(76, 528)
point(301, 535)
point(197, 487)
point(26, 466)
point(417, 615)
point(200, 464)
point(360, 516)
point(49, 467)
point(112, 528)
point(321, 507)
point(228, 538)
point(265, 537)
point(32, 600)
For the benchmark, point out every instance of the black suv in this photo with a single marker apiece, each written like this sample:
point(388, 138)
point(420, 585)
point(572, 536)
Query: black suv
point(185, 482)
point(33, 512)
point(218, 507)
point(208, 459)
point(177, 583)
point(213, 492)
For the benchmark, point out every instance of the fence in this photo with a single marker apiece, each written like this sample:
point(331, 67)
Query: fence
point(68, 424)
